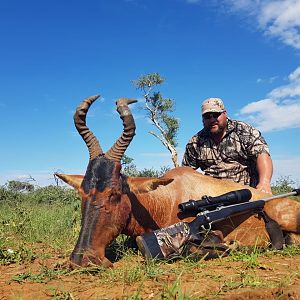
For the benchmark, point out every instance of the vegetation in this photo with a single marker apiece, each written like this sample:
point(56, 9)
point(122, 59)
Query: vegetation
point(283, 185)
point(48, 215)
point(130, 169)
point(159, 111)
point(40, 223)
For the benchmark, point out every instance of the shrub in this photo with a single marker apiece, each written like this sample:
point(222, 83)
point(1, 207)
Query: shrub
point(51, 194)
point(283, 185)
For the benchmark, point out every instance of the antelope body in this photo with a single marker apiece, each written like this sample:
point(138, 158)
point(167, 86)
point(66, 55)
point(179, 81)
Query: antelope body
point(113, 203)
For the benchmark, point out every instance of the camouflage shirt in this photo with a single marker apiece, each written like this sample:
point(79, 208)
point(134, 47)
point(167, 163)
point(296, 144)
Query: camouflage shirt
point(234, 158)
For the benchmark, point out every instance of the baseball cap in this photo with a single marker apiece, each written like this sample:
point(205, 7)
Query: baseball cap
point(212, 105)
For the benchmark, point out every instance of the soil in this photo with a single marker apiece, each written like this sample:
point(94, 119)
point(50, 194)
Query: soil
point(276, 277)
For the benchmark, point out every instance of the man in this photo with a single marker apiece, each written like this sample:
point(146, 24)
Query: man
point(229, 149)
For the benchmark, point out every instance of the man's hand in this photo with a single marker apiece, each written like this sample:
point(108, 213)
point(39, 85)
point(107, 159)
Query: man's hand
point(265, 170)
point(264, 187)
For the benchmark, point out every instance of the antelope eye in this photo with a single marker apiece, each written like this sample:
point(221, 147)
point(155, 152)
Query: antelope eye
point(114, 197)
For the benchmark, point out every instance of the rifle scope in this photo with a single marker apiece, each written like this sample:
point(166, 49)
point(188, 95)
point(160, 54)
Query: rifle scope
point(210, 203)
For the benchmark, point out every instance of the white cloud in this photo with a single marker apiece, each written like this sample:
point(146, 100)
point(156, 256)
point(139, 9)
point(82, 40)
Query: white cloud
point(280, 110)
point(269, 115)
point(38, 178)
point(268, 80)
point(295, 75)
point(275, 18)
point(291, 90)
point(281, 19)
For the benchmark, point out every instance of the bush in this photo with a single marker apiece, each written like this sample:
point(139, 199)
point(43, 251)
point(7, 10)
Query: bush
point(16, 191)
point(51, 194)
point(283, 185)
point(9, 196)
point(19, 186)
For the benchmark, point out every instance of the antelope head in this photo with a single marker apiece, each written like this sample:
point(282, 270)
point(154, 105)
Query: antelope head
point(104, 215)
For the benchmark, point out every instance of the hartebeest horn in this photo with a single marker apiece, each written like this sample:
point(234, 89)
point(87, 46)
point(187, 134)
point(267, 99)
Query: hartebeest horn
point(80, 123)
point(118, 149)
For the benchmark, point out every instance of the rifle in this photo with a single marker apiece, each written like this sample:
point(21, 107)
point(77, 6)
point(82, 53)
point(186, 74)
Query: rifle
point(170, 241)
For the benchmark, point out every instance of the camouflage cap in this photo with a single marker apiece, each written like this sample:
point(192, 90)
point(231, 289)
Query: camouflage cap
point(212, 105)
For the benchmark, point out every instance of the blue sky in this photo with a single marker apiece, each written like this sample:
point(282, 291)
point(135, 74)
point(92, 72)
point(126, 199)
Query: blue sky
point(55, 53)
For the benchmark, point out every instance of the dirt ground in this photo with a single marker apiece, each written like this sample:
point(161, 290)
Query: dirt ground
point(273, 278)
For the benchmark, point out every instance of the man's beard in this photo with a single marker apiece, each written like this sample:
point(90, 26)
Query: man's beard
point(217, 130)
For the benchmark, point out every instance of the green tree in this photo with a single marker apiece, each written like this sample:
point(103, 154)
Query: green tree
point(283, 185)
point(159, 111)
point(19, 186)
point(130, 169)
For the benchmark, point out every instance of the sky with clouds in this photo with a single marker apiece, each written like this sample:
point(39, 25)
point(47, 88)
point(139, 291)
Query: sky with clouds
point(55, 53)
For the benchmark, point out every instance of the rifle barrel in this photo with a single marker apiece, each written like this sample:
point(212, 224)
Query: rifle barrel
point(295, 192)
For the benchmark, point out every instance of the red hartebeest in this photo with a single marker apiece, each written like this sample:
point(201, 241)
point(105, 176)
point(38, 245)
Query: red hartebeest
point(113, 203)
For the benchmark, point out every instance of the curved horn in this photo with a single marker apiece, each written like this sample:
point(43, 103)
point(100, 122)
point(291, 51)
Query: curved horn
point(80, 123)
point(118, 149)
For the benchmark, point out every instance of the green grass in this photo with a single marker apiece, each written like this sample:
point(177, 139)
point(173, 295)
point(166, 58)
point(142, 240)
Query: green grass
point(38, 219)
point(45, 223)
point(43, 276)
point(17, 255)
point(55, 223)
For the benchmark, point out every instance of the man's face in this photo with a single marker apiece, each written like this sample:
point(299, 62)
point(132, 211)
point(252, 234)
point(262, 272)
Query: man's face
point(215, 122)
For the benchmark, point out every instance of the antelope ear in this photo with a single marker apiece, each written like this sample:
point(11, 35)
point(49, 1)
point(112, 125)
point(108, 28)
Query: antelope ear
point(73, 180)
point(146, 184)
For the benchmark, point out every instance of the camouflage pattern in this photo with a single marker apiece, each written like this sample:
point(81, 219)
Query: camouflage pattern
point(172, 239)
point(234, 158)
point(179, 240)
point(212, 105)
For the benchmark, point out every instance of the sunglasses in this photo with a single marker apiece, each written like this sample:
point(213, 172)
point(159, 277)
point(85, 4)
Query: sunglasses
point(214, 115)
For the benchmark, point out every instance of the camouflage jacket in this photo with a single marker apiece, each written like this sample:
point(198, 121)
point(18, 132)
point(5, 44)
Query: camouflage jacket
point(234, 158)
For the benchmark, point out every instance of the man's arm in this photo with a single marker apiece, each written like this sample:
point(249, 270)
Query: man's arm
point(256, 146)
point(264, 167)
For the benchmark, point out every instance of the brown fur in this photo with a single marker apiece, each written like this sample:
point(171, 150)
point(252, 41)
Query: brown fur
point(152, 203)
